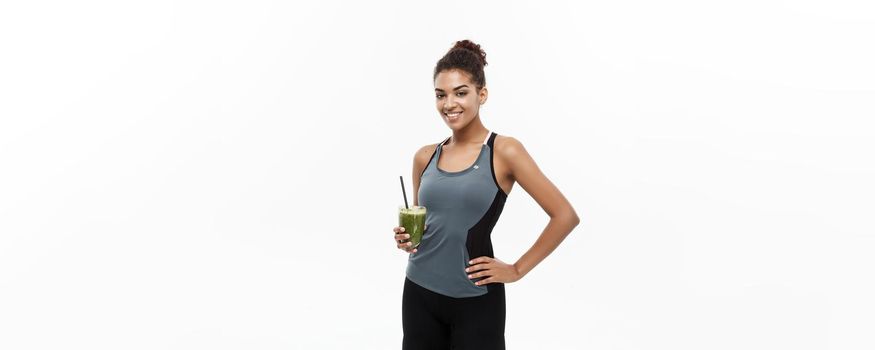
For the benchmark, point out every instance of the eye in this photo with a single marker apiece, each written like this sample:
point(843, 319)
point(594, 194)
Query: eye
point(439, 95)
point(462, 93)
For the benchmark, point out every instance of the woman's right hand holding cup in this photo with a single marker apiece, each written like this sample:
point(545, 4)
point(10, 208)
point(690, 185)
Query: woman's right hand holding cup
point(402, 240)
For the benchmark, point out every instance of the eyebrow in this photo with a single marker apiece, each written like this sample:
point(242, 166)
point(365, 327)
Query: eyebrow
point(454, 89)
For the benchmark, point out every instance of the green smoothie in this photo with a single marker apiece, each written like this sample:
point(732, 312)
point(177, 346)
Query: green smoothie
point(413, 221)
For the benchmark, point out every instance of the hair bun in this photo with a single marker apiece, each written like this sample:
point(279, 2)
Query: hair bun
point(471, 46)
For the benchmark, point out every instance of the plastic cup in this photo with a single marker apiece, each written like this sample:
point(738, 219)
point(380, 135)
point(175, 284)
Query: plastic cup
point(413, 221)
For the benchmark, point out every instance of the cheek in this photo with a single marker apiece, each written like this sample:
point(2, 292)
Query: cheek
point(472, 103)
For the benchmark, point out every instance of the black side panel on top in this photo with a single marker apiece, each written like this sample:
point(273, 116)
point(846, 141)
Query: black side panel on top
point(479, 242)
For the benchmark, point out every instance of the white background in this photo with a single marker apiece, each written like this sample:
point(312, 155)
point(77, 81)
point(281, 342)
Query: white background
point(224, 175)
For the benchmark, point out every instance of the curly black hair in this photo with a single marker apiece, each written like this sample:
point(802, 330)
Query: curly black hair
point(467, 56)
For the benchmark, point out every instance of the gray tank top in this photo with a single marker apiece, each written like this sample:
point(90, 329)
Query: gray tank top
point(463, 207)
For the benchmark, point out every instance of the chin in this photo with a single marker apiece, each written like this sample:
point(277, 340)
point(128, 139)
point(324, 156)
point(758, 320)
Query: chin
point(456, 126)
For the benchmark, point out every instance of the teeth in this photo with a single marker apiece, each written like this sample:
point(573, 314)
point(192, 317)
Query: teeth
point(451, 115)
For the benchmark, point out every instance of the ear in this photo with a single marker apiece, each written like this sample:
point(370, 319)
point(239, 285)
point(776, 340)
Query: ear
point(484, 95)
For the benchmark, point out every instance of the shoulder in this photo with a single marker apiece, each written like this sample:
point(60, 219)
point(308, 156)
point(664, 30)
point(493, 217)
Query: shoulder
point(423, 155)
point(508, 147)
point(511, 152)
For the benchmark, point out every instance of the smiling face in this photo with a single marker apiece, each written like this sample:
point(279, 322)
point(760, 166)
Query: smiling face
point(457, 98)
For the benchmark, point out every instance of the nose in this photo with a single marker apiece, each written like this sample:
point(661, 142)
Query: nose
point(449, 103)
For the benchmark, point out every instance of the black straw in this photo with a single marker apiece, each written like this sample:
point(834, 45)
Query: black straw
point(404, 192)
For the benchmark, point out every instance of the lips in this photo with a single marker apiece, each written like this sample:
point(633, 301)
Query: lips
point(453, 116)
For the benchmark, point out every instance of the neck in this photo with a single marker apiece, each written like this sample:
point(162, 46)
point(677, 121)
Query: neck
point(474, 132)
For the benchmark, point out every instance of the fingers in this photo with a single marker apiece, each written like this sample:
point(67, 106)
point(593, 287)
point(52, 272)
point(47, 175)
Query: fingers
point(484, 281)
point(482, 267)
point(481, 272)
point(478, 274)
point(489, 278)
point(402, 240)
point(482, 259)
point(406, 246)
point(399, 233)
point(481, 263)
point(477, 267)
point(401, 237)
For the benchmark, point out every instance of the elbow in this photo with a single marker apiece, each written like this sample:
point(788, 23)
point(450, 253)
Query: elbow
point(575, 220)
point(570, 216)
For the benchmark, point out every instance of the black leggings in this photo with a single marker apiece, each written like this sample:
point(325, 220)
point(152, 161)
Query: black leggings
point(436, 321)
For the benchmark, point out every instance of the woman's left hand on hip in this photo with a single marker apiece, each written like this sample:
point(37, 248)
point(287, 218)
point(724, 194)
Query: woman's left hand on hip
point(495, 270)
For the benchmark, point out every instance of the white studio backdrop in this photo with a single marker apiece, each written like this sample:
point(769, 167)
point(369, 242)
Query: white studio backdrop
point(224, 175)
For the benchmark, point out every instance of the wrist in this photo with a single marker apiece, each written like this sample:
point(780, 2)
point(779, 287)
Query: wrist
point(519, 271)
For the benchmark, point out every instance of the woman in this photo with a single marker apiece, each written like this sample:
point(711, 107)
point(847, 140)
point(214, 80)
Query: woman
point(454, 290)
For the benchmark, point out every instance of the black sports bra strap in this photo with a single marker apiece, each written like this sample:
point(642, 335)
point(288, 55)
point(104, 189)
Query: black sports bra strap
point(436, 150)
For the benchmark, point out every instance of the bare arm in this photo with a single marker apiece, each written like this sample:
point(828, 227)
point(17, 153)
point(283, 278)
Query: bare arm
point(420, 160)
point(563, 218)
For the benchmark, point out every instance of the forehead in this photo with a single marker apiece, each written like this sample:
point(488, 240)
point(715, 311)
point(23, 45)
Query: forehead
point(452, 78)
